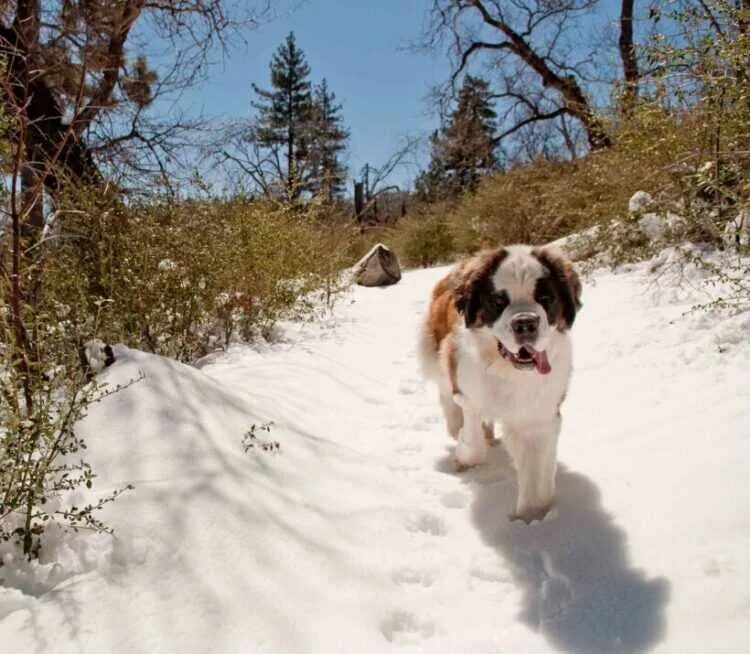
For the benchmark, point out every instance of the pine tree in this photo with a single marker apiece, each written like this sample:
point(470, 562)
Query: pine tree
point(463, 150)
point(329, 137)
point(285, 112)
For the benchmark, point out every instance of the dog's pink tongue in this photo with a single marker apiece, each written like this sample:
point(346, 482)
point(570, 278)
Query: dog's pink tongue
point(542, 363)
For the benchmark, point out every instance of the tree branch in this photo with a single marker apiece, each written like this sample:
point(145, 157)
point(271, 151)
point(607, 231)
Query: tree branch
point(527, 121)
point(552, 75)
point(101, 97)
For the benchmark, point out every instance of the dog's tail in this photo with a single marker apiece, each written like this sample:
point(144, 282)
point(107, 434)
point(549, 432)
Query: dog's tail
point(428, 350)
point(435, 327)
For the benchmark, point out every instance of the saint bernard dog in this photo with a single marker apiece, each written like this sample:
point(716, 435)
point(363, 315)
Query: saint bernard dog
point(496, 341)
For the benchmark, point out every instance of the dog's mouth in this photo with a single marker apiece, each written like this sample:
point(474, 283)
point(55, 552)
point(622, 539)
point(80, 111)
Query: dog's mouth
point(527, 358)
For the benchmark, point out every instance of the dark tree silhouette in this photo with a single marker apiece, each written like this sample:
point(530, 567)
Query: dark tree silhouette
point(285, 113)
point(464, 149)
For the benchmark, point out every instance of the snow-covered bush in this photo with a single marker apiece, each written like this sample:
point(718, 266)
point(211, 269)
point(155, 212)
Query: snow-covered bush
point(737, 232)
point(251, 440)
point(544, 200)
point(44, 392)
point(639, 202)
point(177, 278)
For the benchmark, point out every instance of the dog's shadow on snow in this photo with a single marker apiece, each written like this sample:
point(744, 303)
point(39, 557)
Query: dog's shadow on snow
point(581, 591)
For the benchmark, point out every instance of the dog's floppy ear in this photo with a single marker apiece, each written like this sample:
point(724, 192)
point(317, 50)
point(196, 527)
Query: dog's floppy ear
point(466, 298)
point(472, 281)
point(565, 278)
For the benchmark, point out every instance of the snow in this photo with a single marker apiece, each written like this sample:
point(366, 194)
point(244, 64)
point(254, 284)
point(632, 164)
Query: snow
point(359, 537)
point(639, 202)
point(737, 231)
point(656, 226)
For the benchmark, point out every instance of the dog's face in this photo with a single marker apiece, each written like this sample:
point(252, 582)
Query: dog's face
point(520, 295)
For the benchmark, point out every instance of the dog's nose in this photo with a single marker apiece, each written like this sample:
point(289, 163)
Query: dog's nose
point(525, 325)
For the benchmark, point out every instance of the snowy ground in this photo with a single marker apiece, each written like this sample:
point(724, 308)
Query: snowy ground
point(359, 537)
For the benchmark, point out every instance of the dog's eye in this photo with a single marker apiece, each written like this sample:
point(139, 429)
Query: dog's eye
point(545, 299)
point(501, 302)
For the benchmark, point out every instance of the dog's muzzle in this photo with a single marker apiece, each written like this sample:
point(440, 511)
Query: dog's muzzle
point(525, 327)
point(527, 358)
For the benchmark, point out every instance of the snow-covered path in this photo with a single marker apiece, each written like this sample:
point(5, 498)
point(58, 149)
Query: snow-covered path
point(359, 537)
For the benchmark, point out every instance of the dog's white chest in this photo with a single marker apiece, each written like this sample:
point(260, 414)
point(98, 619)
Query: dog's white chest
point(501, 392)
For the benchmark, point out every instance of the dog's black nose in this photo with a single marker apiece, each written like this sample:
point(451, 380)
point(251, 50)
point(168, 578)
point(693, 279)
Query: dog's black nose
point(525, 325)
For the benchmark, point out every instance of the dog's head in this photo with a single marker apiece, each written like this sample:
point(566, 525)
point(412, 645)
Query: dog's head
point(520, 295)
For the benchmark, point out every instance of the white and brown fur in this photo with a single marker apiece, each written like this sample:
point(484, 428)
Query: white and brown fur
point(470, 345)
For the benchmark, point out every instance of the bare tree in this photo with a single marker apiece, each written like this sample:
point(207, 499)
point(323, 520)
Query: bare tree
point(526, 37)
point(84, 95)
point(541, 69)
point(375, 182)
point(403, 155)
point(243, 156)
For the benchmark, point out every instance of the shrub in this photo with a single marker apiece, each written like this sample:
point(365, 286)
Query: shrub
point(175, 278)
point(541, 201)
point(251, 440)
point(180, 279)
point(44, 392)
point(425, 240)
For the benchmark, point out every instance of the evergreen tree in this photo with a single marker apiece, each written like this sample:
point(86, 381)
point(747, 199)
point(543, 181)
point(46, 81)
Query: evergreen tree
point(285, 113)
point(463, 150)
point(329, 137)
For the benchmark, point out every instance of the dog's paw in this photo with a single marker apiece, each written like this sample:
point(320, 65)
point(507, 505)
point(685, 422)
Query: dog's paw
point(466, 456)
point(460, 467)
point(530, 514)
point(460, 400)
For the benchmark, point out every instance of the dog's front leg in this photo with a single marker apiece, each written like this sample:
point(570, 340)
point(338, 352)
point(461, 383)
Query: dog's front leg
point(534, 453)
point(472, 445)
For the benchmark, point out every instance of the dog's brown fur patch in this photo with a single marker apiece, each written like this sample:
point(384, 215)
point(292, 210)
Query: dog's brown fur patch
point(456, 292)
point(471, 279)
point(566, 280)
point(441, 320)
point(442, 316)
point(448, 361)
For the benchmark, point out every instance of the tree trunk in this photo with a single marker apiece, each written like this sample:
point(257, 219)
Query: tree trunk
point(631, 75)
point(290, 172)
point(53, 151)
point(32, 200)
point(359, 201)
point(744, 21)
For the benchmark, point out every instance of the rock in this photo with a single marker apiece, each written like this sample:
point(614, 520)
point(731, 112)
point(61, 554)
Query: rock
point(639, 202)
point(95, 355)
point(737, 231)
point(656, 226)
point(167, 265)
point(652, 225)
point(581, 245)
point(379, 267)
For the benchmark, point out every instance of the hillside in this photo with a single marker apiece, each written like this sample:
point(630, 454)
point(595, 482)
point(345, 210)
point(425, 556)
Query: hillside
point(358, 536)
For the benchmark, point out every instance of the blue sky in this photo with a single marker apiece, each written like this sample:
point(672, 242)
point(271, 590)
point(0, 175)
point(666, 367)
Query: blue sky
point(360, 47)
